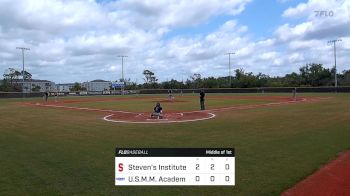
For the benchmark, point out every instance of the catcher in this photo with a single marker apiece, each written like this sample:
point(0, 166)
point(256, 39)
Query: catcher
point(158, 112)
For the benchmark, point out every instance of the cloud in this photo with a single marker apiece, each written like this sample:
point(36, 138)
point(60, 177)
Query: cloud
point(325, 19)
point(84, 38)
point(81, 40)
point(175, 13)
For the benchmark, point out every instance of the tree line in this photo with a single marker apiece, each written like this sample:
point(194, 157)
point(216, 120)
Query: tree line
point(310, 75)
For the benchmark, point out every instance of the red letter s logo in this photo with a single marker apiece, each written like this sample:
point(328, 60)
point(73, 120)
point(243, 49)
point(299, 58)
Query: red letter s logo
point(120, 166)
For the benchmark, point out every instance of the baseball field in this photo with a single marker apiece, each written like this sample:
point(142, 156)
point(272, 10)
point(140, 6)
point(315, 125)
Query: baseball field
point(67, 147)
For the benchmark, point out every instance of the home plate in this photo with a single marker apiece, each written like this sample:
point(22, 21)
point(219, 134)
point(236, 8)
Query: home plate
point(155, 119)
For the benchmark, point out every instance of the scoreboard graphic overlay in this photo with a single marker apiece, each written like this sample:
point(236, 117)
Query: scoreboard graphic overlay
point(175, 166)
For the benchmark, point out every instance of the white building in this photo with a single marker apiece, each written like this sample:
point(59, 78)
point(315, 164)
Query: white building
point(97, 85)
point(64, 87)
point(31, 85)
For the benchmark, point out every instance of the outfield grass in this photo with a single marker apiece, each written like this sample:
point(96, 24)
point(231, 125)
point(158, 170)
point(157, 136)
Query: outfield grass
point(46, 151)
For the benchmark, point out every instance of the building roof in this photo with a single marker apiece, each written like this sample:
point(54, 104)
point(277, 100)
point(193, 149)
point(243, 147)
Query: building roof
point(30, 80)
point(98, 80)
point(66, 84)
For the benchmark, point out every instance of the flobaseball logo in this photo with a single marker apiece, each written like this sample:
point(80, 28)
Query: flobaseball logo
point(120, 167)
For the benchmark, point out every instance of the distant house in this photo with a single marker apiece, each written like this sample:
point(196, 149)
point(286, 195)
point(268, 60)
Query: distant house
point(64, 87)
point(97, 85)
point(31, 85)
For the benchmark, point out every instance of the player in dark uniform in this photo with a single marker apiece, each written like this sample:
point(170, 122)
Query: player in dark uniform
point(170, 95)
point(158, 110)
point(46, 96)
point(201, 99)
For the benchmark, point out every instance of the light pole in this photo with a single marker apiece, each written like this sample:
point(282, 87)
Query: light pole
point(23, 49)
point(335, 61)
point(123, 56)
point(229, 66)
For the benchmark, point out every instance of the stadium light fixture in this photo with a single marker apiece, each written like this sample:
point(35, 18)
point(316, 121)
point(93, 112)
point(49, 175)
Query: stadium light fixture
point(229, 66)
point(335, 60)
point(122, 57)
point(23, 49)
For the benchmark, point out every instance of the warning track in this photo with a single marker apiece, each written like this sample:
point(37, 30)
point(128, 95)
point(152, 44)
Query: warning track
point(332, 179)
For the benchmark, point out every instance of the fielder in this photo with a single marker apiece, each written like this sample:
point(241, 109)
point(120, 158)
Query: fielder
point(46, 96)
point(295, 94)
point(170, 94)
point(56, 95)
point(201, 99)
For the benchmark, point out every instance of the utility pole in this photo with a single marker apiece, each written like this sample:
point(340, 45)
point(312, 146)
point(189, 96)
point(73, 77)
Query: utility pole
point(123, 56)
point(229, 66)
point(23, 49)
point(335, 61)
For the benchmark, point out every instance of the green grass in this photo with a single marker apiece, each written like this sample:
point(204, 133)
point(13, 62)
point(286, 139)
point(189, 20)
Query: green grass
point(63, 152)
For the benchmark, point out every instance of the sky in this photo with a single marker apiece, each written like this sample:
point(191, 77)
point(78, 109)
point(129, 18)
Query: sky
point(77, 41)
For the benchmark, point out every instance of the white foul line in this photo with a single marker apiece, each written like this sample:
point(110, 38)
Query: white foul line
point(154, 122)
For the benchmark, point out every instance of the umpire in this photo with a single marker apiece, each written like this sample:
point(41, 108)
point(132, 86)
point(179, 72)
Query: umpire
point(201, 99)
